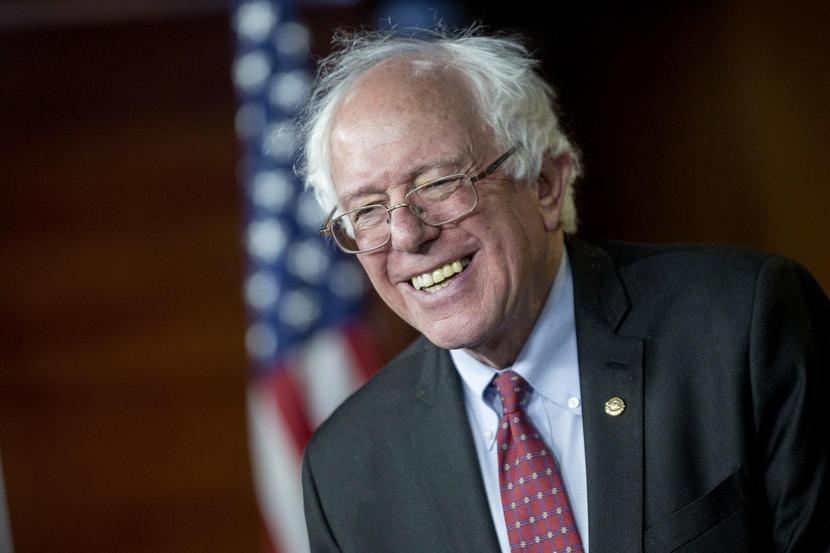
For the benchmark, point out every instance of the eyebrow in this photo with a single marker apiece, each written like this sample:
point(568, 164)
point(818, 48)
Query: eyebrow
point(456, 161)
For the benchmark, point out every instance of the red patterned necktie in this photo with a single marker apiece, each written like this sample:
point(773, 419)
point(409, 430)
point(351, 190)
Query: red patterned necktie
point(536, 508)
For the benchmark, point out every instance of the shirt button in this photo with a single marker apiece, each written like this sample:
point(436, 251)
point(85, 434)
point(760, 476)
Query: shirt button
point(488, 435)
point(573, 402)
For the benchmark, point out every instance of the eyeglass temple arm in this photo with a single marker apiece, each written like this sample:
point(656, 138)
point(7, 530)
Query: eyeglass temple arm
point(325, 231)
point(493, 166)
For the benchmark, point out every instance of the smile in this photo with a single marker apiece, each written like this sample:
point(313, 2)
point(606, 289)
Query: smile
point(437, 279)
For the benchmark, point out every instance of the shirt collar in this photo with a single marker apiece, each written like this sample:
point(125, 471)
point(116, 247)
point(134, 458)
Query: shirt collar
point(548, 360)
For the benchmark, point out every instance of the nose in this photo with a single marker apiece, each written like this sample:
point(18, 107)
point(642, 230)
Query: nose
point(408, 232)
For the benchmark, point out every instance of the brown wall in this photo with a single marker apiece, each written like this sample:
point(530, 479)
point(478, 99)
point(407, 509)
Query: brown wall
point(122, 416)
point(122, 369)
point(709, 123)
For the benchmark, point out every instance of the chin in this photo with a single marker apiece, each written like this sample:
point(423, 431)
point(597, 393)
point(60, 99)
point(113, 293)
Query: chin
point(461, 339)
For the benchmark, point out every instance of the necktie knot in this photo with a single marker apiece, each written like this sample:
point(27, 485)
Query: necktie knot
point(512, 389)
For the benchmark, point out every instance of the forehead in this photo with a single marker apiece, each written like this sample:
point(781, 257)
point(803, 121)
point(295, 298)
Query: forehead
point(401, 85)
point(397, 119)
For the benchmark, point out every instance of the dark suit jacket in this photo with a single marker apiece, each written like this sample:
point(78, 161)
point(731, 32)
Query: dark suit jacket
point(722, 359)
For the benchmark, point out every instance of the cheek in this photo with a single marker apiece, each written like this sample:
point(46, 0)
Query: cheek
point(375, 269)
point(513, 212)
point(511, 234)
point(513, 244)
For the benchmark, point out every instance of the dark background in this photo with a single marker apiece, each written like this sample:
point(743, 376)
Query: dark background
point(122, 363)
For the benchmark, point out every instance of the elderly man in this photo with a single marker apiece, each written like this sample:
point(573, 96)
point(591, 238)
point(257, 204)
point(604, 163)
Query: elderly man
point(565, 395)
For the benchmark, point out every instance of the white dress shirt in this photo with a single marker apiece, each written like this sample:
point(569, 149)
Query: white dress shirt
point(549, 363)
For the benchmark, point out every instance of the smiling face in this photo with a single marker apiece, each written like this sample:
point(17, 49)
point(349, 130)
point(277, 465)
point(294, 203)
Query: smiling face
point(489, 273)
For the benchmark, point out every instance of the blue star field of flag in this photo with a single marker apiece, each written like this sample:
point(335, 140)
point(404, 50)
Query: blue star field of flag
point(296, 283)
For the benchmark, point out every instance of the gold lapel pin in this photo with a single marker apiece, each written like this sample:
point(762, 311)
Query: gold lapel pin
point(614, 406)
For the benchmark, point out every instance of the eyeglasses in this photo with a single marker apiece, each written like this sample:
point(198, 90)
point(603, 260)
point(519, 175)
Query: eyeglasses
point(435, 203)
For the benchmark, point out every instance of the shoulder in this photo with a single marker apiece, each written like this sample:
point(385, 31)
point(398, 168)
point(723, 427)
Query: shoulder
point(381, 405)
point(723, 288)
point(685, 268)
point(627, 256)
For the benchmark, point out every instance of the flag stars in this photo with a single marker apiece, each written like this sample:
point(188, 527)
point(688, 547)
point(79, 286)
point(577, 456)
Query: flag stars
point(559, 510)
point(518, 523)
point(532, 520)
point(540, 495)
point(521, 480)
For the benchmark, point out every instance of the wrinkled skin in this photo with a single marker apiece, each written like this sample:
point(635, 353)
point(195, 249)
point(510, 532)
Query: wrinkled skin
point(395, 131)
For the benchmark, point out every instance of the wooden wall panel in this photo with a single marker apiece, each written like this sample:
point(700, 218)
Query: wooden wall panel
point(122, 415)
point(707, 122)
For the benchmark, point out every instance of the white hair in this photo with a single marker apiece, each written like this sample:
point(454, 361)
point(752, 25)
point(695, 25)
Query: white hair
point(514, 101)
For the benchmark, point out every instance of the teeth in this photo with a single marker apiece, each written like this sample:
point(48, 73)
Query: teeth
point(435, 288)
point(431, 282)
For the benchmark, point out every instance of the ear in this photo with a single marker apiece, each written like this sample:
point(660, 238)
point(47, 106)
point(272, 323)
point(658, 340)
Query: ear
point(550, 188)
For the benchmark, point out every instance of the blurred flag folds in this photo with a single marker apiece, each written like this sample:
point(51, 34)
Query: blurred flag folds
point(307, 345)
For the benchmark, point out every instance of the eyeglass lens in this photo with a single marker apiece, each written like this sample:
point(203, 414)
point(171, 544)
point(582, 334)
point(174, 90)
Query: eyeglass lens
point(435, 204)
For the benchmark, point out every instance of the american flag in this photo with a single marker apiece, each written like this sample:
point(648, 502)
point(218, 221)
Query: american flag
point(307, 346)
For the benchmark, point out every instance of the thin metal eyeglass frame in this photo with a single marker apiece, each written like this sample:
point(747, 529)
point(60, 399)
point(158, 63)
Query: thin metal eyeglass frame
point(325, 230)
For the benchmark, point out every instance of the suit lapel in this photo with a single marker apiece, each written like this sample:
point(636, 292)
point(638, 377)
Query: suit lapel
point(445, 457)
point(610, 366)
